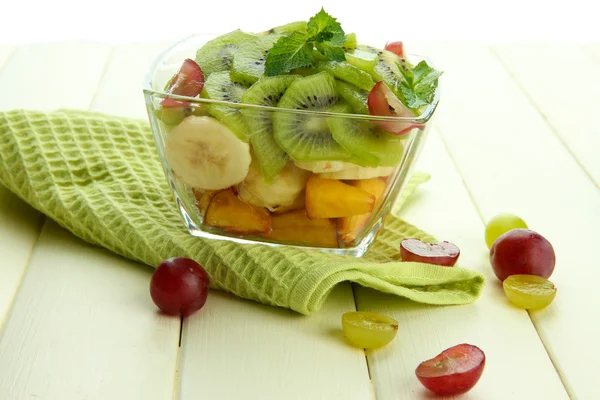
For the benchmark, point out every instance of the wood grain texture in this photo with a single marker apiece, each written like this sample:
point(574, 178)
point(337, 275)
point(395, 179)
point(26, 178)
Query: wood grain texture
point(442, 207)
point(122, 93)
point(83, 325)
point(512, 161)
point(569, 106)
point(240, 349)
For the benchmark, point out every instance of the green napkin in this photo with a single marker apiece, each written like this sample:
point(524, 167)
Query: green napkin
point(100, 177)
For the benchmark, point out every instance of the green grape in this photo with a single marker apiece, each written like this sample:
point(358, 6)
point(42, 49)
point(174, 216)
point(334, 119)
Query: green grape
point(501, 224)
point(369, 330)
point(529, 291)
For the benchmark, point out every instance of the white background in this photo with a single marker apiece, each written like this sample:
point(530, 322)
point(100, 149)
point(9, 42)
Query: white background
point(118, 21)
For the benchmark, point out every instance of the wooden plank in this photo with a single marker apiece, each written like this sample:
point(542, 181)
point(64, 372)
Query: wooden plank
point(127, 68)
point(19, 229)
point(237, 347)
point(511, 161)
point(443, 207)
point(569, 105)
point(50, 76)
point(81, 312)
point(83, 326)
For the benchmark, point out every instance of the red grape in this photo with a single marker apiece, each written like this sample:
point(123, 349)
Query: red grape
point(444, 253)
point(523, 252)
point(396, 48)
point(179, 286)
point(454, 371)
point(383, 102)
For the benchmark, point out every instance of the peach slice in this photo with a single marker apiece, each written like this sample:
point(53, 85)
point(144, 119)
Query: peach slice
point(228, 212)
point(349, 227)
point(203, 198)
point(330, 198)
point(296, 227)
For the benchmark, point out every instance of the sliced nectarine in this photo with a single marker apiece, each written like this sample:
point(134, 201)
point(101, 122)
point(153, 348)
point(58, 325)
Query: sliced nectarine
point(295, 227)
point(228, 212)
point(203, 198)
point(349, 227)
point(330, 198)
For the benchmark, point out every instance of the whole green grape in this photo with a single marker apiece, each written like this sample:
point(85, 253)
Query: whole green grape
point(500, 224)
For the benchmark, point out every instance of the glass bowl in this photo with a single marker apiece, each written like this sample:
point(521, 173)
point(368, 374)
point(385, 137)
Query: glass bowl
point(329, 200)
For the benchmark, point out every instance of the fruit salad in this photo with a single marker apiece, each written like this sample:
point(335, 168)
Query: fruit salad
point(297, 135)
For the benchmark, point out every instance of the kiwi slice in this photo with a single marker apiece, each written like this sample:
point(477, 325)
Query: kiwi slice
point(360, 58)
point(249, 62)
point(355, 97)
point(350, 42)
point(219, 86)
point(217, 54)
point(387, 68)
point(266, 92)
point(306, 137)
point(368, 143)
point(296, 26)
point(348, 73)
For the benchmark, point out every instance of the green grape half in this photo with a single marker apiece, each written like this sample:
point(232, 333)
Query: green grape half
point(529, 291)
point(369, 330)
point(499, 225)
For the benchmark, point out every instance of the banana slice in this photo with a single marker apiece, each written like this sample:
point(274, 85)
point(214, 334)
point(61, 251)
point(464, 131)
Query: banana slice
point(285, 189)
point(357, 172)
point(205, 154)
point(319, 167)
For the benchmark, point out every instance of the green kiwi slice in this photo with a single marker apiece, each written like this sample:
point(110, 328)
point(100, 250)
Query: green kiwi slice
point(348, 73)
point(387, 68)
point(217, 54)
point(355, 97)
point(296, 26)
point(306, 137)
point(249, 62)
point(368, 143)
point(219, 86)
point(266, 92)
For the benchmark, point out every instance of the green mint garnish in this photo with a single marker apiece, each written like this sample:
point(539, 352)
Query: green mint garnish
point(420, 84)
point(295, 50)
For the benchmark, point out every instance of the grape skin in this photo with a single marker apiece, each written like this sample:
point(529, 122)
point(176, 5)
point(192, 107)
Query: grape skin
point(501, 224)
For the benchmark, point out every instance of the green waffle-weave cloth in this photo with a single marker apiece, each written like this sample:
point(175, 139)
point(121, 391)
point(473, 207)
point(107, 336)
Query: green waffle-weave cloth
point(99, 176)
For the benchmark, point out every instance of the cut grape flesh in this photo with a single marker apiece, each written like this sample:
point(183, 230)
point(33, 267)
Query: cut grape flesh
point(369, 330)
point(531, 292)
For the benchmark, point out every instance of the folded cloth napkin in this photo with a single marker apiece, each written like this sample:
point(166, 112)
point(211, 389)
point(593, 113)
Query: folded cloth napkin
point(100, 177)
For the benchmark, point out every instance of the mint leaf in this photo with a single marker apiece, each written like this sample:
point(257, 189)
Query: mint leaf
point(287, 53)
point(419, 87)
point(333, 53)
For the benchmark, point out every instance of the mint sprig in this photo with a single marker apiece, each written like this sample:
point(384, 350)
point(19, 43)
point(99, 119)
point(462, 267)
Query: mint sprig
point(295, 50)
point(419, 85)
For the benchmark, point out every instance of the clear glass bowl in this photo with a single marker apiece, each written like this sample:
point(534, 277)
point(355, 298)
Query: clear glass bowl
point(276, 214)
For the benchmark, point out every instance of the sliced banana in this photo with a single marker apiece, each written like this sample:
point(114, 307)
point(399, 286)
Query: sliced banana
point(205, 154)
point(282, 192)
point(319, 167)
point(357, 172)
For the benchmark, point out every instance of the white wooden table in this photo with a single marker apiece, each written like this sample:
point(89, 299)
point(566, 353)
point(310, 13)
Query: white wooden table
point(516, 131)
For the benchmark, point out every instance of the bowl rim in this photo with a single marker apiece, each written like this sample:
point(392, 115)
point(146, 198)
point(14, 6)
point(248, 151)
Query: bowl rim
point(424, 117)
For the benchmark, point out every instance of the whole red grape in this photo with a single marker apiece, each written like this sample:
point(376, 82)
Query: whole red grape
point(523, 252)
point(179, 286)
